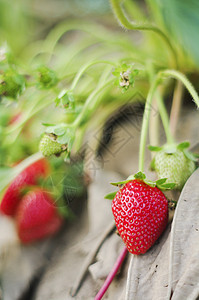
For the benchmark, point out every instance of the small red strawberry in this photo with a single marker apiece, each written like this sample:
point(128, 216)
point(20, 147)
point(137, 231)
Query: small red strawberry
point(29, 176)
point(37, 216)
point(141, 214)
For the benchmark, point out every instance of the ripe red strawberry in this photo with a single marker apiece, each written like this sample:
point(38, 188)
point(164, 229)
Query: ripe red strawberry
point(37, 216)
point(141, 214)
point(29, 176)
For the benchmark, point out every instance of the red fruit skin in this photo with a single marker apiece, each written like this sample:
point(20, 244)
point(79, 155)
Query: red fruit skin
point(37, 216)
point(29, 176)
point(141, 215)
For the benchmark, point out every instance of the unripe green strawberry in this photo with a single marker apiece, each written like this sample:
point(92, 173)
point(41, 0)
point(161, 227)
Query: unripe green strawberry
point(11, 84)
point(176, 166)
point(47, 78)
point(49, 146)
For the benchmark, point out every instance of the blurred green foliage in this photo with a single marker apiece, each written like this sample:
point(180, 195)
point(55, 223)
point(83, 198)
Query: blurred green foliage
point(182, 20)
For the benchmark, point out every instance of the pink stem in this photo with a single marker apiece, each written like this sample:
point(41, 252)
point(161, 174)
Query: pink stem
point(112, 274)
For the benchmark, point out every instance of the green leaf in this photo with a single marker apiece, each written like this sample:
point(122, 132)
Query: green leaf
point(59, 131)
point(183, 145)
point(67, 138)
point(56, 129)
point(161, 181)
point(140, 175)
point(154, 148)
point(167, 186)
point(119, 182)
point(110, 196)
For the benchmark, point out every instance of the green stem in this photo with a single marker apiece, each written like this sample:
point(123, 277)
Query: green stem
point(161, 108)
point(91, 105)
point(164, 117)
point(85, 67)
point(176, 106)
point(154, 122)
point(145, 123)
point(179, 76)
point(123, 20)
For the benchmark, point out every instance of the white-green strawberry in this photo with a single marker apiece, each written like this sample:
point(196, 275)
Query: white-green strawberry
point(49, 146)
point(175, 163)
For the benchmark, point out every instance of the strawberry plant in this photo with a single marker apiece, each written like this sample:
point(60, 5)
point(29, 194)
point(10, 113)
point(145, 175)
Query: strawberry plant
point(55, 91)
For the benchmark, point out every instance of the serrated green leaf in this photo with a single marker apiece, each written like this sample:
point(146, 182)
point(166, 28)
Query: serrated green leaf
point(140, 175)
point(154, 148)
point(110, 196)
point(119, 182)
point(167, 186)
point(63, 139)
point(55, 128)
point(183, 145)
point(161, 181)
point(67, 138)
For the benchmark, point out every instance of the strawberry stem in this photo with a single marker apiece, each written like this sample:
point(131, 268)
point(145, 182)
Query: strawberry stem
point(165, 119)
point(91, 103)
point(145, 124)
point(161, 107)
point(122, 19)
point(85, 67)
point(112, 274)
point(179, 76)
point(176, 105)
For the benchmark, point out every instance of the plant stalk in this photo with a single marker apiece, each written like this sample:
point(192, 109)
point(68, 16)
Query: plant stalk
point(164, 117)
point(145, 124)
point(123, 20)
point(91, 104)
point(181, 77)
point(85, 67)
point(112, 274)
point(176, 106)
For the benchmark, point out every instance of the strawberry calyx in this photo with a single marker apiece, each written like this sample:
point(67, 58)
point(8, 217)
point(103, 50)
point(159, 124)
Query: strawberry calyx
point(172, 148)
point(63, 134)
point(160, 183)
